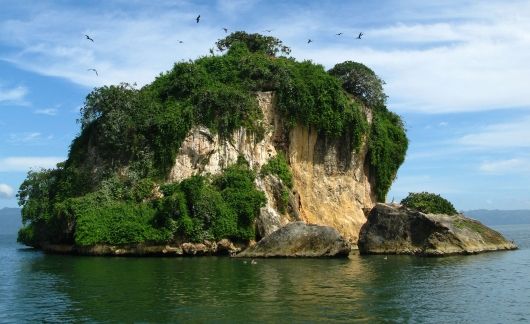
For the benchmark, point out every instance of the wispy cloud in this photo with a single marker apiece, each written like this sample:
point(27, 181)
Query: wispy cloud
point(6, 192)
point(25, 163)
point(46, 111)
point(514, 134)
point(517, 165)
point(28, 138)
point(468, 56)
point(14, 95)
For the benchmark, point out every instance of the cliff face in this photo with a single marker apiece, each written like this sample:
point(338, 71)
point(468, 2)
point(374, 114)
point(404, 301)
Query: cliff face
point(331, 183)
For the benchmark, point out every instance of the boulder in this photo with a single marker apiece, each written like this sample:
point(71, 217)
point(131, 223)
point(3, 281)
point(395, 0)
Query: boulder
point(298, 239)
point(394, 229)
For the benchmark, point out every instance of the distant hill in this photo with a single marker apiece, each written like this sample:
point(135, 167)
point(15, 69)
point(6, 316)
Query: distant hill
point(500, 217)
point(10, 221)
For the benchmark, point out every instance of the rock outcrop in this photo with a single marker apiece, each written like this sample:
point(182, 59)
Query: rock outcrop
point(331, 183)
point(394, 229)
point(298, 239)
point(223, 247)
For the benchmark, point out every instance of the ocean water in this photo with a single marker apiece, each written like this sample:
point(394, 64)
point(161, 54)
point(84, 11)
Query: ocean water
point(484, 288)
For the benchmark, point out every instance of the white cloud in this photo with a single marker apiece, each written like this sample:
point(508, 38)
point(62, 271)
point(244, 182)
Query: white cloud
point(476, 63)
point(6, 191)
point(516, 165)
point(46, 111)
point(25, 163)
point(13, 95)
point(469, 56)
point(28, 138)
point(515, 134)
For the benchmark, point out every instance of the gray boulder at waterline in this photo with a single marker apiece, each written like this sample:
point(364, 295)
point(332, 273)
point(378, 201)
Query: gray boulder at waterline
point(394, 229)
point(298, 239)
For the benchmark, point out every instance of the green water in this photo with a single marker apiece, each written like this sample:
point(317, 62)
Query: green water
point(492, 287)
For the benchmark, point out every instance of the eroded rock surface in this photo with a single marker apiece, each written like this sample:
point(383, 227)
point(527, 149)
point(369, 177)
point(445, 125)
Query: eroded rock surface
point(298, 239)
point(394, 229)
point(331, 182)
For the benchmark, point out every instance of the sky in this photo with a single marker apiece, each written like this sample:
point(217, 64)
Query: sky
point(458, 73)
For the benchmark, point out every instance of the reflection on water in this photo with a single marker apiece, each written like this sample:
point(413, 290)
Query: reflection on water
point(489, 287)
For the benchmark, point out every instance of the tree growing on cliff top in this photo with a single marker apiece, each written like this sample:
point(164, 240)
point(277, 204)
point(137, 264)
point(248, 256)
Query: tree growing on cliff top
point(360, 81)
point(254, 42)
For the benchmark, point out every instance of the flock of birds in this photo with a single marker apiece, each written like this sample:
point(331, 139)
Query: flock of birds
point(226, 31)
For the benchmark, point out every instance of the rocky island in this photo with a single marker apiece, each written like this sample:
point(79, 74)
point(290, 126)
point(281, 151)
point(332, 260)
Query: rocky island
point(219, 153)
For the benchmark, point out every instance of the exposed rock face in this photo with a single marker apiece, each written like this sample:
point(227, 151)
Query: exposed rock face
point(331, 184)
point(298, 239)
point(393, 229)
point(223, 247)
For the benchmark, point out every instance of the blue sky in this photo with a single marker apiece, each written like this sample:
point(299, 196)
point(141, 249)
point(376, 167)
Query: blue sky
point(456, 71)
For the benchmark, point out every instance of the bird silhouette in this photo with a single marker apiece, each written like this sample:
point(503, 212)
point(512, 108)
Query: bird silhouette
point(198, 18)
point(179, 41)
point(267, 30)
point(225, 29)
point(88, 37)
point(309, 41)
point(338, 34)
point(94, 71)
point(360, 35)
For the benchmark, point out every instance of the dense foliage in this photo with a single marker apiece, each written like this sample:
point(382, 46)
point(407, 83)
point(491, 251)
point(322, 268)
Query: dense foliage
point(388, 142)
point(427, 202)
point(387, 147)
point(360, 81)
point(106, 190)
point(254, 42)
point(279, 167)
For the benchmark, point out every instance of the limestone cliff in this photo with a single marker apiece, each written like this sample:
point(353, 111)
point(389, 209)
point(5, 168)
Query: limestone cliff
point(331, 182)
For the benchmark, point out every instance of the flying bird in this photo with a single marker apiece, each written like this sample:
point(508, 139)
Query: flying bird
point(88, 37)
point(360, 35)
point(309, 41)
point(94, 71)
point(198, 18)
point(225, 29)
point(338, 34)
point(179, 41)
point(267, 30)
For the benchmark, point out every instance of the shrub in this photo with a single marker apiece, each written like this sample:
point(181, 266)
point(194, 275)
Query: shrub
point(426, 202)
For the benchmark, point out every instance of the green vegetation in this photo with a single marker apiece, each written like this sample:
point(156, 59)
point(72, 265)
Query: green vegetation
point(279, 167)
point(387, 147)
point(106, 191)
point(426, 202)
point(360, 81)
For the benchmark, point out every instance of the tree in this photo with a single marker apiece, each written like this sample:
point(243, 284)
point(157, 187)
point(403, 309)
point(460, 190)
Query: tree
point(254, 43)
point(430, 203)
point(360, 81)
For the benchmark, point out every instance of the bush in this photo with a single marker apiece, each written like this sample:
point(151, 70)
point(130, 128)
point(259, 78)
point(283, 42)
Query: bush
point(430, 203)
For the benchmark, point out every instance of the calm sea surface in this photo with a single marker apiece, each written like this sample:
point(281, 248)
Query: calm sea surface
point(484, 288)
